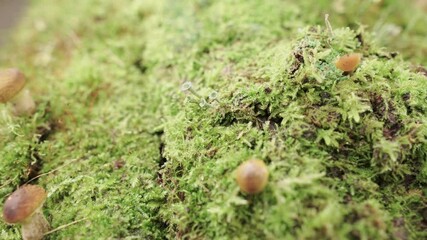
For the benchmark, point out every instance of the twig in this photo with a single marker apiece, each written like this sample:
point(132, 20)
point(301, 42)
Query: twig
point(64, 226)
point(328, 25)
point(56, 169)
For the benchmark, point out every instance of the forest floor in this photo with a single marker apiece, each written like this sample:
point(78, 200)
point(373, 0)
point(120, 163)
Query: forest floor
point(125, 153)
point(10, 12)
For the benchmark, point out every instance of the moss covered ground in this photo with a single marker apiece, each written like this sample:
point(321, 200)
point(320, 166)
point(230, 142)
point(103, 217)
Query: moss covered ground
point(124, 153)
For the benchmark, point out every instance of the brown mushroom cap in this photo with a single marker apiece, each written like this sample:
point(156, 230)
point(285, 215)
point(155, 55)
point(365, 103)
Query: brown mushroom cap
point(11, 82)
point(23, 203)
point(349, 62)
point(252, 176)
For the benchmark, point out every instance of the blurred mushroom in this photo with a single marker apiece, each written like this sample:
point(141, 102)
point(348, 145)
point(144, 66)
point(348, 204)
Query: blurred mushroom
point(252, 176)
point(24, 207)
point(349, 62)
point(12, 83)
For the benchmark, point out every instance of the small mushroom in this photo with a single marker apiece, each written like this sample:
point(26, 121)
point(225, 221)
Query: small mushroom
point(252, 176)
point(12, 83)
point(349, 62)
point(24, 207)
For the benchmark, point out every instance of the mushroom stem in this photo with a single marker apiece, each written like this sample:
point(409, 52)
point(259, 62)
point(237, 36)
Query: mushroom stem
point(23, 103)
point(35, 227)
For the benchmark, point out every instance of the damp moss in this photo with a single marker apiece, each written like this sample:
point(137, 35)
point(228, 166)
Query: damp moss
point(120, 146)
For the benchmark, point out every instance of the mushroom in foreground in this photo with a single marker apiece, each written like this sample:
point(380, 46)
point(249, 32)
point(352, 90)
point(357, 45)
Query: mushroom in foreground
point(12, 83)
point(24, 207)
point(252, 176)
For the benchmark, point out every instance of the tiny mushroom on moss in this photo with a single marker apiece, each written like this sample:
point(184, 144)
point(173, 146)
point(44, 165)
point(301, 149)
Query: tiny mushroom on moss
point(12, 83)
point(252, 176)
point(24, 207)
point(349, 62)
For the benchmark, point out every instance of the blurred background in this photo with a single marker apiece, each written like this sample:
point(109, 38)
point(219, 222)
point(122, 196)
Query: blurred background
point(394, 23)
point(10, 11)
point(398, 25)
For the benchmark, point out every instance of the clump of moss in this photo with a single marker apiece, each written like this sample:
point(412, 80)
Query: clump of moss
point(339, 145)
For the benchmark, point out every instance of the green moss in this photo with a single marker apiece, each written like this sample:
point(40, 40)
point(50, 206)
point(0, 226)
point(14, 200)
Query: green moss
point(346, 152)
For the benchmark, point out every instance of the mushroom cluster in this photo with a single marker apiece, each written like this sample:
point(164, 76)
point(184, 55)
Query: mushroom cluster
point(12, 83)
point(24, 207)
